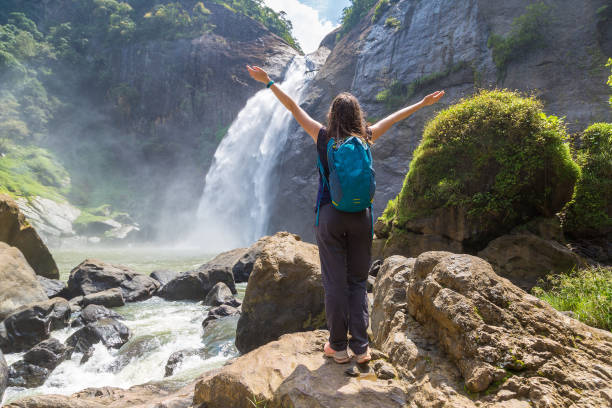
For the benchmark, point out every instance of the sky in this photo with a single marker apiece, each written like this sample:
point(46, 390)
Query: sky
point(312, 19)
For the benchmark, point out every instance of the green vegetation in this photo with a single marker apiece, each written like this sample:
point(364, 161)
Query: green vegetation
point(527, 32)
point(262, 403)
point(609, 64)
point(381, 7)
point(587, 293)
point(397, 94)
point(32, 171)
point(352, 14)
point(256, 9)
point(496, 156)
point(392, 22)
point(588, 214)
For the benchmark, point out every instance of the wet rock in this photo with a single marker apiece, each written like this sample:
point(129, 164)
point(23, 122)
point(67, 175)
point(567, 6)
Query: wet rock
point(220, 294)
point(109, 298)
point(524, 258)
point(195, 285)
point(244, 265)
point(176, 358)
point(32, 323)
point(450, 317)
point(3, 375)
point(17, 232)
point(18, 281)
point(228, 261)
point(112, 333)
point(293, 372)
point(220, 312)
point(22, 374)
point(284, 294)
point(54, 287)
point(92, 276)
point(38, 363)
point(164, 276)
point(92, 313)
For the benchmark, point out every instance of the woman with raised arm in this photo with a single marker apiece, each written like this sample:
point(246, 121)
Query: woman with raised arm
point(344, 238)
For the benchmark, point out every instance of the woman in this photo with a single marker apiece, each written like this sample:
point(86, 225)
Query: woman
point(344, 239)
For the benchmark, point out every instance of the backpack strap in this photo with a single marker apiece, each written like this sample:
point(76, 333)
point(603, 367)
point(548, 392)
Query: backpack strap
point(322, 172)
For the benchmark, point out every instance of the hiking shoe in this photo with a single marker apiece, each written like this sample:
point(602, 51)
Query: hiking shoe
point(339, 357)
point(364, 357)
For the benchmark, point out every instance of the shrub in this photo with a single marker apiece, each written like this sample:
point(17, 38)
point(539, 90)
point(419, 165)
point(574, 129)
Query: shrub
point(392, 22)
point(497, 157)
point(527, 33)
point(381, 7)
point(587, 293)
point(590, 211)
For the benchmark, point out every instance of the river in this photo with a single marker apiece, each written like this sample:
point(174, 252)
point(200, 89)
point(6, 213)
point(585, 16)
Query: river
point(158, 328)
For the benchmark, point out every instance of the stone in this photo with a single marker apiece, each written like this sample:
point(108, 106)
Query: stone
point(220, 312)
point(293, 372)
point(447, 321)
point(37, 364)
point(18, 280)
point(109, 298)
point(54, 287)
point(375, 267)
point(370, 283)
point(284, 294)
point(112, 333)
point(3, 375)
point(384, 371)
point(32, 323)
point(163, 276)
point(176, 359)
point(195, 285)
point(218, 295)
point(92, 313)
point(228, 261)
point(92, 276)
point(244, 265)
point(16, 231)
point(524, 258)
point(51, 219)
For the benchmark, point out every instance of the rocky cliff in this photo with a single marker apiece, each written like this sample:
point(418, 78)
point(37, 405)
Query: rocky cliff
point(416, 47)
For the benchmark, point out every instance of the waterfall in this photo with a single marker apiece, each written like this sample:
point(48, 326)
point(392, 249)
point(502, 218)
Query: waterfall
point(233, 210)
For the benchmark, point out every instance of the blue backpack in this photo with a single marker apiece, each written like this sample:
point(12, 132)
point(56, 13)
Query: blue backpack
point(351, 176)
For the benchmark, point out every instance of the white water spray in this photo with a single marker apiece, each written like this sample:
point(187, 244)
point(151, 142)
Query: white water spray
point(234, 208)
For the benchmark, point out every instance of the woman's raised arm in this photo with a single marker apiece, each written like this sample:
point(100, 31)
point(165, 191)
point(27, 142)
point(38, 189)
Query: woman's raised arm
point(310, 125)
point(385, 124)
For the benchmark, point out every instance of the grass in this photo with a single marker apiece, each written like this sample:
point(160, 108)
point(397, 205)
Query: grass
point(586, 292)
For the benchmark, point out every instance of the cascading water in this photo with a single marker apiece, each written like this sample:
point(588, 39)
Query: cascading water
point(233, 210)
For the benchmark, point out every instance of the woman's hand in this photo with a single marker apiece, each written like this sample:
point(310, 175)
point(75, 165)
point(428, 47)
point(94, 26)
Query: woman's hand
point(432, 98)
point(258, 74)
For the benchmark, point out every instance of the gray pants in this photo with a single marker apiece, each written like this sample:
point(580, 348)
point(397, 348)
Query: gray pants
point(345, 246)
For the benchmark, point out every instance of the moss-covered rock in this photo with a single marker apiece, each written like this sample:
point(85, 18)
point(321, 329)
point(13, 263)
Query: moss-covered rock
point(484, 166)
point(589, 213)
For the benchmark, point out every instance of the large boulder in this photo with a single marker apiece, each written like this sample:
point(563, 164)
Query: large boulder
point(484, 166)
point(18, 281)
point(93, 312)
point(3, 374)
point(16, 231)
point(219, 312)
point(54, 287)
point(219, 294)
point(244, 265)
point(195, 285)
point(109, 298)
point(112, 333)
point(32, 323)
point(525, 258)
point(37, 364)
point(163, 276)
point(92, 276)
point(284, 294)
point(292, 372)
point(448, 321)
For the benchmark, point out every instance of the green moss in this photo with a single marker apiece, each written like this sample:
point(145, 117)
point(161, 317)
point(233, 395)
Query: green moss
point(32, 171)
point(392, 22)
point(527, 33)
point(496, 156)
point(587, 293)
point(381, 7)
point(589, 212)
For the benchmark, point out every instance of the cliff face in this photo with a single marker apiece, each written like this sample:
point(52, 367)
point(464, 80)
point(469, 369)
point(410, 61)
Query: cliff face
point(423, 46)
